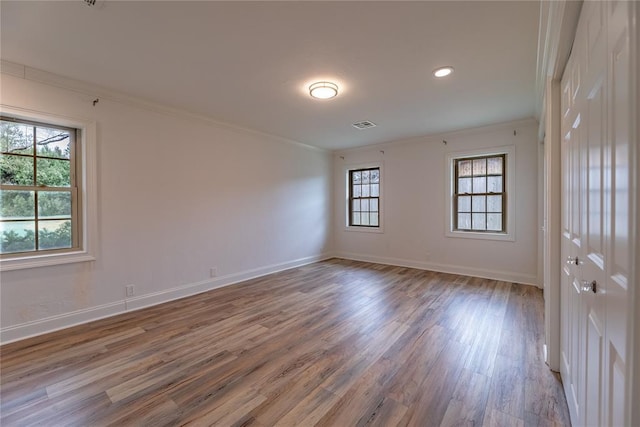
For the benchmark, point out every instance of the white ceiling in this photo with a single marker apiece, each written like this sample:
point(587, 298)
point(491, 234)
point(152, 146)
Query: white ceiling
point(250, 63)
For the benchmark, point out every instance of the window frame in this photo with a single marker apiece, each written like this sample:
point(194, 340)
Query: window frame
point(74, 186)
point(508, 194)
point(348, 192)
point(83, 249)
point(457, 194)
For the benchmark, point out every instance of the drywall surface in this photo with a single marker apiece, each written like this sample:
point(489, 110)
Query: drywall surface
point(414, 205)
point(177, 196)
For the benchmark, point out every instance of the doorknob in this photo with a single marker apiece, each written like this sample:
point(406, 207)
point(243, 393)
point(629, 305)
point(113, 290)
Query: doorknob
point(589, 286)
point(573, 260)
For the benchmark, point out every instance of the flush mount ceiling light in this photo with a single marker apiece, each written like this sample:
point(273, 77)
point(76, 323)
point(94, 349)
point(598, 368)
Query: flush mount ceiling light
point(443, 71)
point(323, 90)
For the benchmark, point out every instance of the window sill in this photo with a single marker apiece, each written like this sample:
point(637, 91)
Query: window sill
point(35, 261)
point(509, 237)
point(364, 229)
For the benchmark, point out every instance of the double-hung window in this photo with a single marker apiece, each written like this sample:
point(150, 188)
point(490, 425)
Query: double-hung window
point(364, 198)
point(479, 197)
point(40, 197)
point(481, 193)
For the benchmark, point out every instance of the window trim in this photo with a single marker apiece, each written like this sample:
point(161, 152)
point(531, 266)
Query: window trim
point(510, 177)
point(347, 210)
point(86, 169)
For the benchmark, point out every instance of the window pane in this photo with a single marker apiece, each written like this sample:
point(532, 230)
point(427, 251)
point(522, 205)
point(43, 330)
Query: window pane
point(464, 168)
point(355, 219)
point(464, 221)
point(365, 177)
point(374, 175)
point(373, 205)
point(53, 143)
point(480, 185)
point(494, 222)
point(364, 218)
point(365, 190)
point(479, 221)
point(495, 184)
point(54, 204)
point(464, 185)
point(375, 190)
point(480, 167)
point(494, 165)
point(17, 204)
point(18, 236)
point(494, 204)
point(373, 218)
point(16, 138)
point(365, 205)
point(478, 204)
point(53, 173)
point(464, 204)
point(357, 190)
point(356, 177)
point(356, 205)
point(54, 234)
point(16, 170)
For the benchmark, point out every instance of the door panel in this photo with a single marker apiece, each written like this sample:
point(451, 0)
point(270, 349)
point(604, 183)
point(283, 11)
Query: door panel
point(593, 383)
point(615, 396)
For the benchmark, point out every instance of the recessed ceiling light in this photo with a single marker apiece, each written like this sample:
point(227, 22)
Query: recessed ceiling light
point(323, 90)
point(443, 71)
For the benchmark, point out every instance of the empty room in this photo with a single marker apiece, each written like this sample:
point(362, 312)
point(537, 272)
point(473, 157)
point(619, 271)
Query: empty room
point(319, 213)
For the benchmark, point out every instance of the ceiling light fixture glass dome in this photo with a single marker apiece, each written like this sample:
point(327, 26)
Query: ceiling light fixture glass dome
point(323, 90)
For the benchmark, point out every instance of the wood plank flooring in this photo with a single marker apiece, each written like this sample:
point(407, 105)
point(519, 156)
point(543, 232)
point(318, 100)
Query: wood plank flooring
point(336, 343)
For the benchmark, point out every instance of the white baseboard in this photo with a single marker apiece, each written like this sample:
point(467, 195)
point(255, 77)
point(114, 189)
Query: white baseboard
point(143, 301)
point(66, 320)
point(60, 321)
point(507, 276)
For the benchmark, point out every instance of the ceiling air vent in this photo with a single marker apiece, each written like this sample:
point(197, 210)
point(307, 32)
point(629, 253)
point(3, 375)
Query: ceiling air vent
point(364, 125)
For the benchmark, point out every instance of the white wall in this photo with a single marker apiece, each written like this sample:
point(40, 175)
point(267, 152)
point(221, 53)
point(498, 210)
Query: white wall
point(414, 211)
point(177, 195)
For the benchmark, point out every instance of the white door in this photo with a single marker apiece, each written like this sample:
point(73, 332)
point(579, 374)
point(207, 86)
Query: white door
point(593, 176)
point(596, 190)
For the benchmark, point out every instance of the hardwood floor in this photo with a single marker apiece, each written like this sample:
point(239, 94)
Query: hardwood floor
point(336, 343)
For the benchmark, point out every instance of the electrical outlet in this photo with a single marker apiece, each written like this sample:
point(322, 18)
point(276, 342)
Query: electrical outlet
point(213, 272)
point(130, 290)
